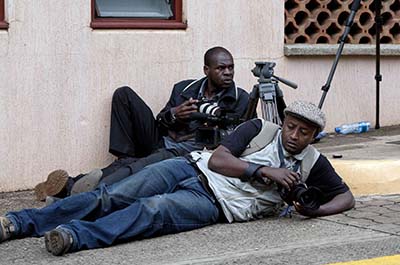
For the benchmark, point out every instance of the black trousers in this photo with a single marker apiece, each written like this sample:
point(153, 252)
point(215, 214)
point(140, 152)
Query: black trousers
point(134, 130)
point(134, 138)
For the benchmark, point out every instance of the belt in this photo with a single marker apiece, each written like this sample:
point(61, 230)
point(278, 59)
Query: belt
point(204, 181)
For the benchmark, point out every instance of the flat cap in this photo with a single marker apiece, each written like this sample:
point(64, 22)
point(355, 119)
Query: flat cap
point(307, 111)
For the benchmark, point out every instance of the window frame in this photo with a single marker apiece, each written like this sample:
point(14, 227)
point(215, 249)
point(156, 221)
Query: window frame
point(3, 23)
point(139, 23)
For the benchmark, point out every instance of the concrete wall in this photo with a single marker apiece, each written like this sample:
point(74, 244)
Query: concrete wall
point(57, 76)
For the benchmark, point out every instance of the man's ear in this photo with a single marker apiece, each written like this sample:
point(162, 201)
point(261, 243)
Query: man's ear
point(206, 70)
point(317, 131)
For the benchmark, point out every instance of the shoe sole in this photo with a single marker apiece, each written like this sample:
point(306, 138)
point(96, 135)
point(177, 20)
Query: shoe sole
point(56, 181)
point(54, 243)
point(87, 183)
point(47, 241)
point(5, 234)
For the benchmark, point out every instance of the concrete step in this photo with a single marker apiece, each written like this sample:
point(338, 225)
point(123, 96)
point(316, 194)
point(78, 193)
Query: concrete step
point(368, 162)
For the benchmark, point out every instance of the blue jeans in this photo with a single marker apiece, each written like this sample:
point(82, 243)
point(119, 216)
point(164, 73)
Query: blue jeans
point(163, 198)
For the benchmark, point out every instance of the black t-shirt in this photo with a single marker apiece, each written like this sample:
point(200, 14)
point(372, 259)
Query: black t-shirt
point(322, 174)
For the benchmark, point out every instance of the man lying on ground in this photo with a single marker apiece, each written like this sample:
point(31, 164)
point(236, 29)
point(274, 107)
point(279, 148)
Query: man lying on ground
point(242, 180)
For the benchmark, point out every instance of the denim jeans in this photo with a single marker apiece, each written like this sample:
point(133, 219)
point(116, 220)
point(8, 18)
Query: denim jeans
point(163, 198)
point(130, 166)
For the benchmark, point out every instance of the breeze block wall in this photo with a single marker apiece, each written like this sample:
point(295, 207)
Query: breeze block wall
point(323, 21)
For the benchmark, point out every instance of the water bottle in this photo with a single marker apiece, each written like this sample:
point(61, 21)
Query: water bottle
point(357, 127)
point(321, 135)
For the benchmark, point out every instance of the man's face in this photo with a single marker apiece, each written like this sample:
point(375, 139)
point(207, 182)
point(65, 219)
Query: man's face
point(220, 71)
point(296, 134)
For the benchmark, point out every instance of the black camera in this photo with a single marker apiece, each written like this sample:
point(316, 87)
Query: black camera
point(264, 69)
point(308, 197)
point(216, 123)
point(208, 107)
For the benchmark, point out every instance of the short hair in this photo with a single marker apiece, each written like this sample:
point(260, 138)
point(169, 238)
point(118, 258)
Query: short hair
point(212, 52)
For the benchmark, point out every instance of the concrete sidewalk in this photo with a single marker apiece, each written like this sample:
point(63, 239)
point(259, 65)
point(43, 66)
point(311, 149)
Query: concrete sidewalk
point(370, 230)
point(369, 163)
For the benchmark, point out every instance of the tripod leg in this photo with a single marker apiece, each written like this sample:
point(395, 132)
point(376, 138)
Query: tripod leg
point(281, 106)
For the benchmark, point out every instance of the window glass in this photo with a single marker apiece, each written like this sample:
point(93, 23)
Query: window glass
point(134, 8)
point(137, 14)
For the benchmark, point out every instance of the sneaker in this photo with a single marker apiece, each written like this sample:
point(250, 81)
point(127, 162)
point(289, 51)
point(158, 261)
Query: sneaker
point(88, 182)
point(6, 229)
point(54, 185)
point(58, 241)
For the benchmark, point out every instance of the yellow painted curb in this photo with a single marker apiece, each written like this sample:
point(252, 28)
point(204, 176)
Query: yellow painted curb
point(367, 177)
point(388, 260)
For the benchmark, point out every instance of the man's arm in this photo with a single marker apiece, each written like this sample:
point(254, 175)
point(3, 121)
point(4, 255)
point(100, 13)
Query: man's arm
point(176, 111)
point(337, 195)
point(222, 161)
point(340, 203)
point(225, 159)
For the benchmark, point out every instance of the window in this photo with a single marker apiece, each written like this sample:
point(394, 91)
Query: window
point(137, 14)
point(3, 24)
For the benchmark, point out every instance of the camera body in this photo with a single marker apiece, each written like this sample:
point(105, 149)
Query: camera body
point(216, 123)
point(210, 137)
point(308, 197)
point(264, 70)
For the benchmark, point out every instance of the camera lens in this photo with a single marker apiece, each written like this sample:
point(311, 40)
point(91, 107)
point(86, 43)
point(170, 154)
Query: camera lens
point(310, 198)
point(306, 197)
point(209, 108)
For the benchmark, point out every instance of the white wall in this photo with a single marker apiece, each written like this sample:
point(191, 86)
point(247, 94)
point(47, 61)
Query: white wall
point(57, 76)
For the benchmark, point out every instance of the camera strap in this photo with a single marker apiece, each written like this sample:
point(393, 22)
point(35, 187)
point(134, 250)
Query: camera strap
point(294, 167)
point(287, 212)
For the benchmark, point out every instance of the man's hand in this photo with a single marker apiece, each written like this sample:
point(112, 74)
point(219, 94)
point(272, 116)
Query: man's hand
point(281, 176)
point(183, 111)
point(339, 203)
point(305, 211)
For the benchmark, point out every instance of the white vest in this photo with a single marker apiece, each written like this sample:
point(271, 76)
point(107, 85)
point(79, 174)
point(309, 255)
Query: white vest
point(244, 201)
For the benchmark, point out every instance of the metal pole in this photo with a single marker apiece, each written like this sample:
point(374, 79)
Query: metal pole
point(378, 76)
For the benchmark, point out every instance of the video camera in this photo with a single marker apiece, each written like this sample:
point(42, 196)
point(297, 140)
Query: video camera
point(308, 197)
point(267, 90)
point(216, 123)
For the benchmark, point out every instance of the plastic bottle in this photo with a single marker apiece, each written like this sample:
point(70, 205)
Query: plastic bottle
point(357, 127)
point(321, 135)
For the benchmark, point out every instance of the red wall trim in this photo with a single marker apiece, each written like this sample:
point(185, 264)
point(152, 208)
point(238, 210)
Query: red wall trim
point(3, 24)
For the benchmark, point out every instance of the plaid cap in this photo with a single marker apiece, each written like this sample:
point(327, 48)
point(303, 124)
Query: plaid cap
point(307, 111)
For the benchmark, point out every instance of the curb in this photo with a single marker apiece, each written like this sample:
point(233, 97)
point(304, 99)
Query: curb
point(369, 177)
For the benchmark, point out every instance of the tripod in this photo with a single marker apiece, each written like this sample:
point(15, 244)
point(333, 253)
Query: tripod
point(378, 76)
point(267, 89)
point(349, 23)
